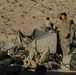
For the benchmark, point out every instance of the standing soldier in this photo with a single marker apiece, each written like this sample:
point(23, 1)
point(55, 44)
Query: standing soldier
point(47, 24)
point(64, 26)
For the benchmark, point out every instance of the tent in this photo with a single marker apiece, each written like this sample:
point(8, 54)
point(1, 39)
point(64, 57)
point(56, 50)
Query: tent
point(46, 40)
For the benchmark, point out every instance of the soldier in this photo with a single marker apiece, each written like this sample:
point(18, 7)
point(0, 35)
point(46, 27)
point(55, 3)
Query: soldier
point(73, 29)
point(73, 37)
point(47, 24)
point(64, 26)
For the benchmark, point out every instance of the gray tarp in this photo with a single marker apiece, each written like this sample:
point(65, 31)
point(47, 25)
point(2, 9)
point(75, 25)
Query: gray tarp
point(19, 38)
point(37, 33)
point(48, 40)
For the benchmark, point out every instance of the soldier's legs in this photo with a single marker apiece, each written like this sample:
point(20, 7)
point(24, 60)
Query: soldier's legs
point(47, 29)
point(65, 46)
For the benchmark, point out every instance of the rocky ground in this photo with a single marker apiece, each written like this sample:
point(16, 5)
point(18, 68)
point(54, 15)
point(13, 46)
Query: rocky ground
point(24, 15)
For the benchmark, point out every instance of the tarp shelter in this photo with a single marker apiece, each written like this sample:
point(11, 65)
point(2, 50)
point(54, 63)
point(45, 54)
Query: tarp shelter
point(46, 40)
point(37, 33)
point(19, 37)
point(19, 40)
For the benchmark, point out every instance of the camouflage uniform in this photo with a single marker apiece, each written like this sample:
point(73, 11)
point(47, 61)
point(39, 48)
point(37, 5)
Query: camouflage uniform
point(73, 35)
point(73, 32)
point(64, 29)
point(73, 48)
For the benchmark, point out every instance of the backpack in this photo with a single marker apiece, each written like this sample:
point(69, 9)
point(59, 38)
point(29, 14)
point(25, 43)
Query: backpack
point(73, 62)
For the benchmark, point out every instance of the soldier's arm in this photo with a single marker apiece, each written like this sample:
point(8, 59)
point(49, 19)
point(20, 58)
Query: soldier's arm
point(68, 27)
point(68, 30)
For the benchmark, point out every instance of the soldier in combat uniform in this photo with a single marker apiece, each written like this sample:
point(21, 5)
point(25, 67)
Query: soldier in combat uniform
point(64, 26)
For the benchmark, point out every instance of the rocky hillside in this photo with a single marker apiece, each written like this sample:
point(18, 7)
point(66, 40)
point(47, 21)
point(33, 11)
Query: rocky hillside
point(24, 15)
